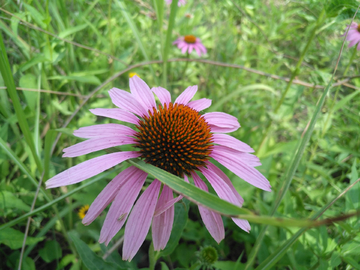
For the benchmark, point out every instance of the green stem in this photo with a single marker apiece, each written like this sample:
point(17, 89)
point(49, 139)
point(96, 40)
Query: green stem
point(293, 75)
point(301, 146)
point(186, 65)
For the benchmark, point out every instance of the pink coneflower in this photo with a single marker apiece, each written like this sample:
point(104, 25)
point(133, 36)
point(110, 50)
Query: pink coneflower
point(173, 136)
point(190, 43)
point(180, 2)
point(353, 35)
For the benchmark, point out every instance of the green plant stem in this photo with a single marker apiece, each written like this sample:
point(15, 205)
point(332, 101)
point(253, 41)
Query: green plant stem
point(186, 66)
point(293, 75)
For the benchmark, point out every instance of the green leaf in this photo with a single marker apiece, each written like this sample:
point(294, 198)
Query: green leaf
point(334, 7)
point(89, 258)
point(342, 102)
point(29, 81)
point(72, 30)
point(51, 251)
point(9, 201)
point(40, 58)
point(14, 239)
point(36, 15)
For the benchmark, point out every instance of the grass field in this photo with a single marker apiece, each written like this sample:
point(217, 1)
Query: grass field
point(277, 66)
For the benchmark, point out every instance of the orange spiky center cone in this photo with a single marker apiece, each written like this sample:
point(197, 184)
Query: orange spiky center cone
point(175, 138)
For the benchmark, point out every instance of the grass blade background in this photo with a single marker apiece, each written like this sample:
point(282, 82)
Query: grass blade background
point(10, 84)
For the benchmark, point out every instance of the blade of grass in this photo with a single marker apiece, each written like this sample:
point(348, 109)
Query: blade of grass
point(10, 84)
point(296, 159)
point(136, 33)
point(281, 251)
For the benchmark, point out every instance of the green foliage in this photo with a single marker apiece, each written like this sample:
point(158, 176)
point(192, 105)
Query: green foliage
point(309, 153)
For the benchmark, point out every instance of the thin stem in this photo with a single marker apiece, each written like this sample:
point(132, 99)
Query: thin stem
point(186, 65)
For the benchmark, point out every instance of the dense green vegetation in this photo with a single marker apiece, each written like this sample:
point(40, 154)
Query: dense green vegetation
point(271, 64)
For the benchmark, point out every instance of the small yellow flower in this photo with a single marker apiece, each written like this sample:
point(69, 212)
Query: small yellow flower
point(82, 211)
point(132, 74)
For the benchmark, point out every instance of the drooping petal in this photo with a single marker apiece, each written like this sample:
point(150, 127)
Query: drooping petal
point(163, 207)
point(162, 224)
point(221, 122)
point(125, 100)
point(198, 51)
point(225, 193)
point(212, 220)
point(121, 206)
point(187, 95)
point(96, 144)
point(139, 220)
point(248, 159)
point(104, 130)
point(163, 95)
point(229, 141)
point(183, 50)
point(247, 173)
point(200, 104)
point(118, 114)
point(108, 194)
point(141, 91)
point(89, 168)
point(226, 179)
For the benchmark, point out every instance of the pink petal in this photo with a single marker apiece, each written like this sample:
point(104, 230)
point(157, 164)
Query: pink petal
point(118, 114)
point(225, 193)
point(187, 95)
point(212, 220)
point(163, 95)
point(221, 122)
point(121, 206)
point(89, 168)
point(247, 173)
point(183, 50)
point(163, 207)
point(198, 51)
point(108, 194)
point(104, 130)
point(125, 100)
point(191, 47)
point(162, 224)
point(141, 91)
point(226, 179)
point(96, 144)
point(139, 220)
point(200, 104)
point(248, 159)
point(229, 141)
point(202, 48)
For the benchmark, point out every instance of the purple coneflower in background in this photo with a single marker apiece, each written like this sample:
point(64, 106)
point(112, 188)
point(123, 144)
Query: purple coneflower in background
point(173, 136)
point(189, 43)
point(353, 35)
point(180, 2)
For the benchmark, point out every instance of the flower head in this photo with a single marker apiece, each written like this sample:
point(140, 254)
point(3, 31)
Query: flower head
point(189, 43)
point(82, 211)
point(180, 2)
point(353, 35)
point(173, 136)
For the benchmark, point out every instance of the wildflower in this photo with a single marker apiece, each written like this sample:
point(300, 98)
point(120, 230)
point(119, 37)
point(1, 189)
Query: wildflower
point(173, 136)
point(132, 74)
point(189, 43)
point(180, 2)
point(82, 211)
point(353, 35)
